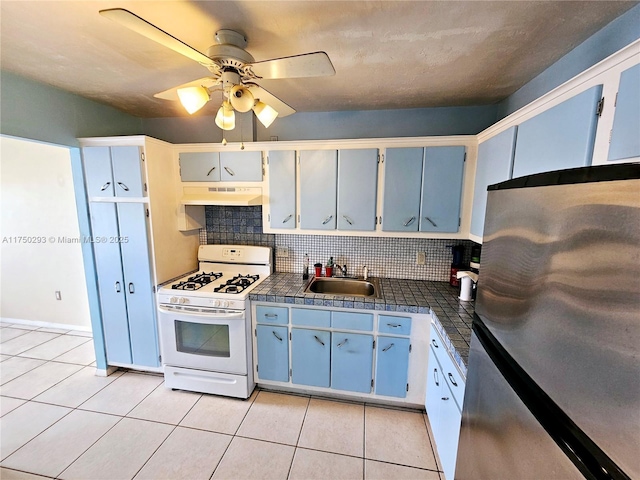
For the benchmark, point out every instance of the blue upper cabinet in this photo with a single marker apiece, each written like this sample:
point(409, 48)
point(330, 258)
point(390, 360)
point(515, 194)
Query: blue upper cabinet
point(282, 189)
point(495, 160)
point(318, 188)
point(310, 357)
point(403, 178)
point(241, 166)
point(357, 189)
point(559, 138)
point(351, 361)
point(114, 171)
point(200, 166)
point(441, 189)
point(625, 136)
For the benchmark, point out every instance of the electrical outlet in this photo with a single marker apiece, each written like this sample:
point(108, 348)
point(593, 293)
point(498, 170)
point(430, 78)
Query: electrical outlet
point(58, 295)
point(421, 258)
point(282, 252)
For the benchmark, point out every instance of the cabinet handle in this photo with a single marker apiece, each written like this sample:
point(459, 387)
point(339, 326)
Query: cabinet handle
point(387, 347)
point(117, 285)
point(131, 288)
point(347, 219)
point(271, 315)
point(209, 172)
point(433, 341)
point(410, 221)
point(288, 218)
point(452, 380)
point(445, 398)
point(105, 186)
point(435, 377)
point(342, 343)
point(326, 220)
point(229, 171)
point(394, 325)
point(430, 221)
point(318, 340)
point(123, 186)
point(277, 336)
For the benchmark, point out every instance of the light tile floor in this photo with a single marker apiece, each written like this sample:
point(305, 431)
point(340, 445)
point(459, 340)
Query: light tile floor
point(58, 420)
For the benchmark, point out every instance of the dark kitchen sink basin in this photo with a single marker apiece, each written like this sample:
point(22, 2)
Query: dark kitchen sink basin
point(348, 287)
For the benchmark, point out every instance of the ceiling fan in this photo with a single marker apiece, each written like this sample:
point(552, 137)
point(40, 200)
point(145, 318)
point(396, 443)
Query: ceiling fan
point(233, 71)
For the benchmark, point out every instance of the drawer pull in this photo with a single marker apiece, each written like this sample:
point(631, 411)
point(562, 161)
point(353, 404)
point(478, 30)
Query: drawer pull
point(271, 315)
point(318, 340)
point(452, 380)
point(341, 344)
point(131, 288)
point(445, 398)
point(394, 325)
point(387, 347)
point(277, 336)
point(435, 377)
point(433, 341)
point(117, 287)
point(105, 186)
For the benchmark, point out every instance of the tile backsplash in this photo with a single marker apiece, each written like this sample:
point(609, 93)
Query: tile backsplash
point(384, 256)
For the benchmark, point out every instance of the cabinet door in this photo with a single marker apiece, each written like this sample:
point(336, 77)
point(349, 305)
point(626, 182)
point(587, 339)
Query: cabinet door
point(392, 364)
point(128, 171)
point(318, 184)
point(351, 361)
point(559, 138)
point(241, 166)
point(625, 136)
point(98, 173)
point(357, 189)
point(402, 181)
point(441, 189)
point(273, 353)
point(132, 222)
point(310, 357)
point(495, 161)
point(448, 431)
point(200, 166)
point(282, 189)
point(111, 284)
point(433, 397)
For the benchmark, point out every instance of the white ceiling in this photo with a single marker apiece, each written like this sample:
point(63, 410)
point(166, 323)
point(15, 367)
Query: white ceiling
point(386, 54)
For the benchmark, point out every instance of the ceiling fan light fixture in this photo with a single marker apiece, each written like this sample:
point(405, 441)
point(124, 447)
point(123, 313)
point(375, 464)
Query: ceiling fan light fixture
point(241, 98)
point(193, 98)
point(265, 113)
point(226, 117)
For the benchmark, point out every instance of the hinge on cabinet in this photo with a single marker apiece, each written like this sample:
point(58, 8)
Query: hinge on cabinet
point(407, 387)
point(409, 348)
point(378, 158)
point(289, 335)
point(290, 373)
point(142, 156)
point(374, 344)
point(600, 107)
point(382, 158)
point(269, 217)
point(257, 367)
point(266, 158)
point(154, 289)
point(147, 212)
point(465, 157)
point(372, 383)
point(459, 221)
point(160, 358)
point(145, 187)
point(615, 102)
point(610, 134)
point(255, 332)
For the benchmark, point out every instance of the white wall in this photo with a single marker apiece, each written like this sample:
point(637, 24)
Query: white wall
point(37, 195)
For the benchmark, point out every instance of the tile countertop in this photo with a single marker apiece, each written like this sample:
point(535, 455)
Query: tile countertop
point(410, 296)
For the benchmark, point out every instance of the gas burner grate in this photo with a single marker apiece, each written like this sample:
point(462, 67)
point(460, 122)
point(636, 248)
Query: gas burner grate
point(197, 281)
point(237, 284)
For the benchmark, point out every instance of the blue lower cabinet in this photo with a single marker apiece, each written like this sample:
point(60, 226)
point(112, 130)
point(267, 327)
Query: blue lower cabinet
point(392, 364)
point(351, 361)
point(273, 353)
point(310, 357)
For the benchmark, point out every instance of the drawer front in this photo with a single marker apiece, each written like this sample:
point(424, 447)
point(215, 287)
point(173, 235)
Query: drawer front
point(352, 321)
point(394, 325)
point(449, 369)
point(275, 315)
point(311, 318)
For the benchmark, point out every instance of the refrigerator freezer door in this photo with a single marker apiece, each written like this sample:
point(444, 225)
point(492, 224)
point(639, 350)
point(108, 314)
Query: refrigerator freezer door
point(559, 290)
point(499, 437)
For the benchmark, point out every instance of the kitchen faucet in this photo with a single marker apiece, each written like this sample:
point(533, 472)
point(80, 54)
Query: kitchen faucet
point(343, 269)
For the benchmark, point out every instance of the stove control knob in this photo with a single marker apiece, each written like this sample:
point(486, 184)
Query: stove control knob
point(173, 300)
point(216, 303)
point(184, 300)
point(225, 304)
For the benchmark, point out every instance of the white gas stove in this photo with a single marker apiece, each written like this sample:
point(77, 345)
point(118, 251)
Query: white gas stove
point(205, 321)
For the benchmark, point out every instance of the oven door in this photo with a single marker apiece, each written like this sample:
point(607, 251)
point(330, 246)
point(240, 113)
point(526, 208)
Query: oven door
point(206, 341)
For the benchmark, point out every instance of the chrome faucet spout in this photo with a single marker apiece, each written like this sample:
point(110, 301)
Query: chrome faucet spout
point(365, 273)
point(343, 269)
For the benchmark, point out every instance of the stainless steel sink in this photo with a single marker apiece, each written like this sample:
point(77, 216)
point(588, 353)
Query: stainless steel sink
point(348, 287)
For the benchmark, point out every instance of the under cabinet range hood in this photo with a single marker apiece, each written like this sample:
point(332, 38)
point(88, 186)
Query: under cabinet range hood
point(229, 196)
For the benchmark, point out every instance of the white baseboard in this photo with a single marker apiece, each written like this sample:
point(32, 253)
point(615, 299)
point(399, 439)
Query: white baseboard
point(39, 324)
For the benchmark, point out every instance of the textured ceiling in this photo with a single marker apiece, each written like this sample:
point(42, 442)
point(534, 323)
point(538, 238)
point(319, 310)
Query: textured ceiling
point(386, 54)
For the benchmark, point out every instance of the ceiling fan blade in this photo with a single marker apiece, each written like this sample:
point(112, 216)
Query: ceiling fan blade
point(315, 64)
point(274, 102)
point(146, 29)
point(172, 93)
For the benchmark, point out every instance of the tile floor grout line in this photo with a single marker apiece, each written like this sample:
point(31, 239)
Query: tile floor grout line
point(247, 412)
point(295, 447)
point(154, 452)
point(425, 418)
point(48, 388)
point(364, 441)
point(22, 355)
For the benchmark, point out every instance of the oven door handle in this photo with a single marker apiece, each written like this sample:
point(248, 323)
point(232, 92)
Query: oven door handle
point(212, 316)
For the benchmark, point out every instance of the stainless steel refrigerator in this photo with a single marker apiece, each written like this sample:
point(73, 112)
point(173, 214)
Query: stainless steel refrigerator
point(553, 384)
